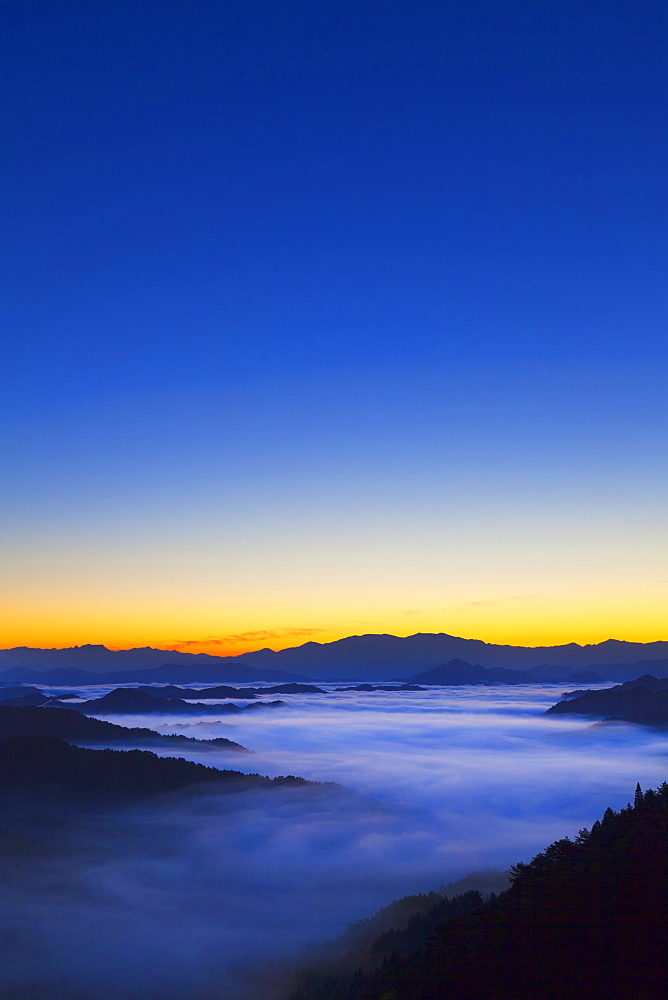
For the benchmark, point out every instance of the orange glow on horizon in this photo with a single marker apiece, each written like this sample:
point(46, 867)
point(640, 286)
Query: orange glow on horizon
point(278, 639)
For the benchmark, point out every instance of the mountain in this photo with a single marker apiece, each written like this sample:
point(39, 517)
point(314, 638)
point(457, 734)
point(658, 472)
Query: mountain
point(553, 675)
point(643, 700)
point(22, 695)
point(454, 672)
point(201, 673)
point(87, 664)
point(586, 919)
point(459, 672)
point(221, 691)
point(137, 701)
point(383, 687)
point(281, 689)
point(587, 677)
point(550, 673)
point(57, 676)
point(225, 691)
point(382, 657)
point(67, 724)
point(370, 657)
point(626, 671)
point(54, 769)
point(38, 698)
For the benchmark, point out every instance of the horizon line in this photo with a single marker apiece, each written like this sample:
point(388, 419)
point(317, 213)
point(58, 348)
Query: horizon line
point(127, 649)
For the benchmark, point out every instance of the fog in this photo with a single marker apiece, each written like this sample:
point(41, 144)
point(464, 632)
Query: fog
point(191, 895)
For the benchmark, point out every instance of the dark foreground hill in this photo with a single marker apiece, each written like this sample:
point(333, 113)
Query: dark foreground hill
point(70, 725)
point(643, 701)
point(584, 920)
point(45, 767)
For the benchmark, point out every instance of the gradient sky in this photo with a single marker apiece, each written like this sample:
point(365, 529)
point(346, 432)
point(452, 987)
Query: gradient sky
point(328, 318)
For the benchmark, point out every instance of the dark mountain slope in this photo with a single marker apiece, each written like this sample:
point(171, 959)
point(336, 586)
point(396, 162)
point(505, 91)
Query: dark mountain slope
point(80, 661)
point(625, 671)
point(72, 726)
point(459, 672)
point(173, 691)
point(17, 691)
point(166, 673)
point(138, 701)
point(225, 691)
point(584, 920)
point(39, 765)
point(383, 687)
point(643, 701)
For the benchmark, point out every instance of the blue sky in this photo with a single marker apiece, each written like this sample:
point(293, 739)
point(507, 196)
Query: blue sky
point(289, 276)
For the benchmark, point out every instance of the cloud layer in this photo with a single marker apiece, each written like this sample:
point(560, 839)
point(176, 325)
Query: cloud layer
point(186, 900)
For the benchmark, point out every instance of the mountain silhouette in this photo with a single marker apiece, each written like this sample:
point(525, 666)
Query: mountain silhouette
point(643, 701)
point(50, 768)
point(385, 657)
point(459, 672)
point(167, 673)
point(585, 919)
point(369, 657)
point(74, 727)
point(143, 701)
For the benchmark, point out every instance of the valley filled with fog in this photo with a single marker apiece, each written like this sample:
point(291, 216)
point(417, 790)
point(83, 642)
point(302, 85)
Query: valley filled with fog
point(190, 895)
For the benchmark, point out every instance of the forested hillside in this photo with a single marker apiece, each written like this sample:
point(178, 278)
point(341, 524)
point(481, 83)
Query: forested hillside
point(584, 920)
point(44, 768)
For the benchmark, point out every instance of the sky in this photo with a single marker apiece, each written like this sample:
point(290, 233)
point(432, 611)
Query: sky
point(333, 318)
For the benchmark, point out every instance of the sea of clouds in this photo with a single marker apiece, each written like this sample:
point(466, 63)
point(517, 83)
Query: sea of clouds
point(203, 895)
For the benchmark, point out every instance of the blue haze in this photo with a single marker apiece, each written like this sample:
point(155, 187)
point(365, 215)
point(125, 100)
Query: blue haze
point(178, 898)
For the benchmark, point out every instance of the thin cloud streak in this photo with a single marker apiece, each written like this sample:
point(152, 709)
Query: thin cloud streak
point(261, 635)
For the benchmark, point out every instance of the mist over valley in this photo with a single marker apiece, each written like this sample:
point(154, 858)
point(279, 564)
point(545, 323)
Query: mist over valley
point(420, 788)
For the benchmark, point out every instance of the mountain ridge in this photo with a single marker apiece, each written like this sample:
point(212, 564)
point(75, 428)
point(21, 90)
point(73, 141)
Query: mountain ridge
point(375, 656)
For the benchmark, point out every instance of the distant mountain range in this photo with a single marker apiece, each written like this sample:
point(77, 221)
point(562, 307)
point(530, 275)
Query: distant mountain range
point(361, 657)
point(77, 664)
point(459, 672)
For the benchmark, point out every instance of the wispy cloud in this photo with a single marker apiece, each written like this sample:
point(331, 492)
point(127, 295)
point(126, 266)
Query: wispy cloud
point(237, 638)
point(211, 641)
point(281, 633)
